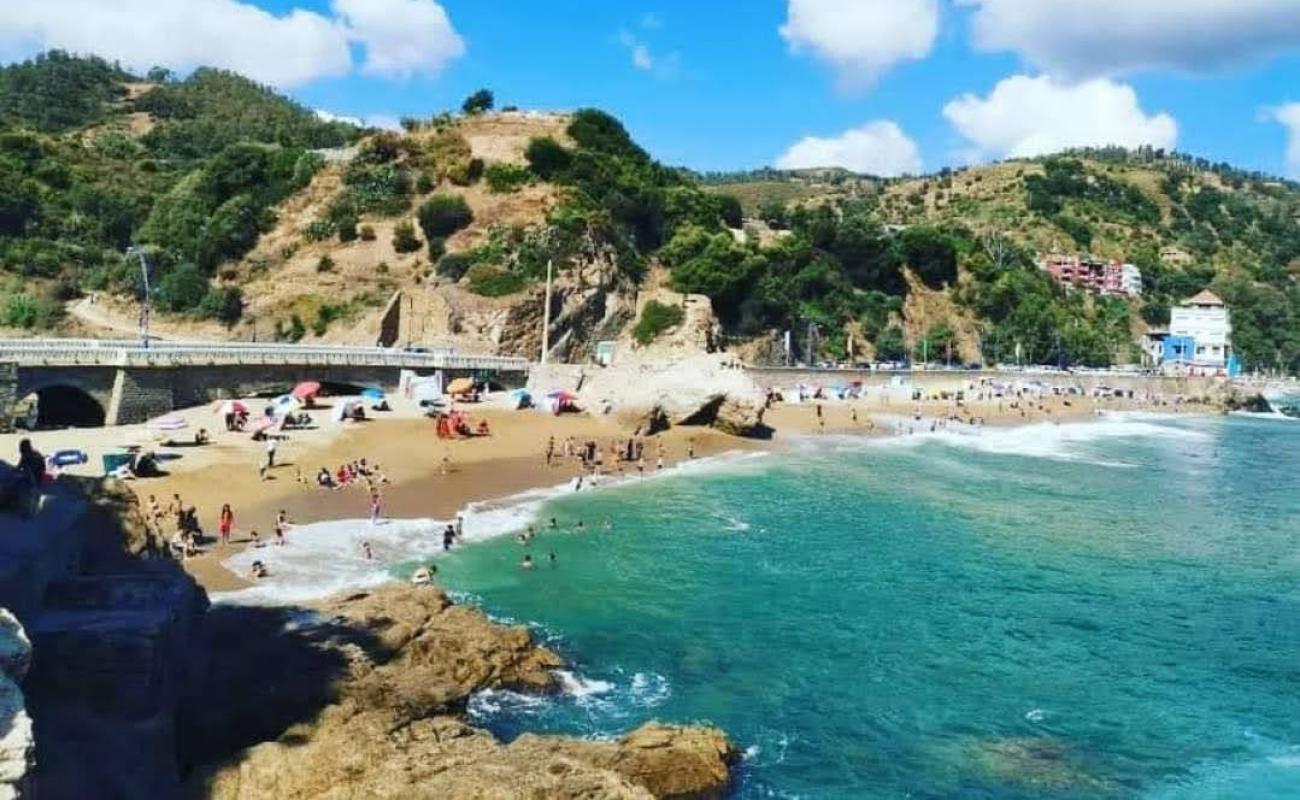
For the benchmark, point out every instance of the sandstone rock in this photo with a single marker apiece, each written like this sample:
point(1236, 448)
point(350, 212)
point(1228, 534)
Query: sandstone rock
point(704, 389)
point(393, 729)
point(17, 745)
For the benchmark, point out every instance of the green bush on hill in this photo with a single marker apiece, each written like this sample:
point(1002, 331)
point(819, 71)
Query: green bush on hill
point(656, 318)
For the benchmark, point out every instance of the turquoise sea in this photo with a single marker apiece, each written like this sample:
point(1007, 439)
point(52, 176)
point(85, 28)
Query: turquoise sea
point(1100, 610)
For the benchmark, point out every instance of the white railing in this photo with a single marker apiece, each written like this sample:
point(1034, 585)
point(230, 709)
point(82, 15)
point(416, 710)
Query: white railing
point(131, 352)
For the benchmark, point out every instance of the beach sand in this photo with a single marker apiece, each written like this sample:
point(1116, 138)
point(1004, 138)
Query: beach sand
point(433, 478)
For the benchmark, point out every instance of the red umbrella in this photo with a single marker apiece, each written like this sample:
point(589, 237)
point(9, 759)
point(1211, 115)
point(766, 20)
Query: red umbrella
point(230, 407)
point(306, 389)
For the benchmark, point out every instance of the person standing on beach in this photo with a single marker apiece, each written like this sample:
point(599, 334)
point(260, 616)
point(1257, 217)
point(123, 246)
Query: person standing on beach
point(550, 450)
point(270, 451)
point(376, 504)
point(690, 448)
point(460, 527)
point(448, 536)
point(225, 522)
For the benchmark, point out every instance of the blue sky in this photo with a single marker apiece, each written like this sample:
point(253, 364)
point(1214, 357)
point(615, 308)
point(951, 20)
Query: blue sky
point(881, 85)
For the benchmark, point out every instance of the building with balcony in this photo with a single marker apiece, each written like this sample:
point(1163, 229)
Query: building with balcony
point(1107, 278)
point(1200, 333)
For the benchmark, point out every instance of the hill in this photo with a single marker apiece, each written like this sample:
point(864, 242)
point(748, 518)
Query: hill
point(259, 219)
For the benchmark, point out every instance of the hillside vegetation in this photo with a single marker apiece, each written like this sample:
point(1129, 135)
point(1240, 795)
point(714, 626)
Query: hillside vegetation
point(252, 209)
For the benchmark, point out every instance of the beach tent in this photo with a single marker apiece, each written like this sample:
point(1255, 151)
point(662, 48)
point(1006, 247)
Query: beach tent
point(373, 394)
point(460, 386)
point(521, 398)
point(426, 389)
point(306, 390)
point(344, 409)
point(285, 404)
point(230, 407)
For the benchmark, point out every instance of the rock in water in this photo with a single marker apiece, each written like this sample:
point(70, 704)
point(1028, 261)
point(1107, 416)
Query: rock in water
point(393, 726)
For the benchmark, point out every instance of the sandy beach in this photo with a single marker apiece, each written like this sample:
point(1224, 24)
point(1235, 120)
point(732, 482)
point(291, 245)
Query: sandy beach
point(431, 478)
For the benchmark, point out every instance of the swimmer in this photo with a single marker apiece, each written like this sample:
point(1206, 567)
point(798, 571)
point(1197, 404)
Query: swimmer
point(258, 570)
point(551, 556)
point(366, 552)
point(527, 563)
point(554, 524)
point(423, 575)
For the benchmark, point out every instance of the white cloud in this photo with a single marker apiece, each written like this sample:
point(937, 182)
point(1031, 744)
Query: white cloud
point(1026, 116)
point(1079, 39)
point(1288, 115)
point(862, 39)
point(645, 60)
point(401, 37)
point(876, 148)
point(289, 49)
point(384, 122)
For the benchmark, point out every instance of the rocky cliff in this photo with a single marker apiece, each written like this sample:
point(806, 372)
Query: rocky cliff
point(17, 745)
point(392, 670)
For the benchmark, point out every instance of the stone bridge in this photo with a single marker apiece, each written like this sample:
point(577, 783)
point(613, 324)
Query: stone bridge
point(120, 382)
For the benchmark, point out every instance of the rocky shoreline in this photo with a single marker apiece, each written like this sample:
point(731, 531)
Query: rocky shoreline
point(136, 688)
point(397, 666)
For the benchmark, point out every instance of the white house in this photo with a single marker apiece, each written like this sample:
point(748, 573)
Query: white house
point(1130, 280)
point(1204, 320)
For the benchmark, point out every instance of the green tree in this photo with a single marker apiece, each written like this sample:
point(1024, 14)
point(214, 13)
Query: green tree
point(547, 158)
point(479, 102)
point(656, 318)
point(182, 289)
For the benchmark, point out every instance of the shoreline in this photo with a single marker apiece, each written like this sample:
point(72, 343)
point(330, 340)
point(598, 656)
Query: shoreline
point(438, 480)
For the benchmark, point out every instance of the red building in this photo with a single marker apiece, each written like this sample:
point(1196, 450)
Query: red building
point(1110, 278)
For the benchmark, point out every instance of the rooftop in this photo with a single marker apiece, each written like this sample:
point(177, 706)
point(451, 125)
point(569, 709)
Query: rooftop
point(1205, 298)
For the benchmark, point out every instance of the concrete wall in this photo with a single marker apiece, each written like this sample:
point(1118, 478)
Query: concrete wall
point(136, 394)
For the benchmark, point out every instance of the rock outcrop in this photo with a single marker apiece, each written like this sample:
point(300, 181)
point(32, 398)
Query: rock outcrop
point(17, 745)
point(705, 389)
point(397, 666)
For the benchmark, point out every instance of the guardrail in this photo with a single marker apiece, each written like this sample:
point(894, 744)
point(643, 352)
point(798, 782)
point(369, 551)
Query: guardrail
point(129, 352)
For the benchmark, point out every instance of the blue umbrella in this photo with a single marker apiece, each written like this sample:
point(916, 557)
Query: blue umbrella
point(373, 394)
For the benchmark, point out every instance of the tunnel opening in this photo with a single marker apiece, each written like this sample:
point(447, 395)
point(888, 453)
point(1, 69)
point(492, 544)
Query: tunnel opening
point(65, 407)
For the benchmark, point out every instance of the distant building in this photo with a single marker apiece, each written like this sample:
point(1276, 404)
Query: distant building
point(1108, 278)
point(1200, 333)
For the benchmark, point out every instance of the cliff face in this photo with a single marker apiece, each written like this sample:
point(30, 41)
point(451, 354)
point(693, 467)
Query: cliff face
point(398, 664)
point(17, 745)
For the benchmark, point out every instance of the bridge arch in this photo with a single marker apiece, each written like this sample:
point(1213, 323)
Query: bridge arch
point(64, 405)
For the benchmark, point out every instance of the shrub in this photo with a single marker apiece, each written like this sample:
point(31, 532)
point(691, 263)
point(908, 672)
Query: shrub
point(437, 247)
point(454, 265)
point(318, 230)
point(466, 172)
point(325, 264)
point(656, 318)
point(347, 225)
point(490, 281)
point(505, 178)
point(367, 233)
point(444, 214)
point(182, 289)
point(404, 238)
point(423, 183)
point(224, 304)
point(547, 158)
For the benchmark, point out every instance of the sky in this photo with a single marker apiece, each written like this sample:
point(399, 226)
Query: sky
point(885, 87)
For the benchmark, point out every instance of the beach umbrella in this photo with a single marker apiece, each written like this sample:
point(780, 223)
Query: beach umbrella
point(306, 389)
point(169, 422)
point(230, 407)
point(562, 395)
point(373, 394)
point(521, 398)
point(460, 386)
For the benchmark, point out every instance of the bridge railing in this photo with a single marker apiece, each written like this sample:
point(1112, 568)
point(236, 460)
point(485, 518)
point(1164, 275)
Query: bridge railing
point(120, 352)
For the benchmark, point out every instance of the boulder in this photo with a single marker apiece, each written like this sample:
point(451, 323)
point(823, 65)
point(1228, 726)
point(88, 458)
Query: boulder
point(17, 745)
point(710, 389)
point(407, 661)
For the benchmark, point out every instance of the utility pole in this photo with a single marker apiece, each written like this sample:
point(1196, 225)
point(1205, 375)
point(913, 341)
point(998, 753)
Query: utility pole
point(546, 316)
point(144, 303)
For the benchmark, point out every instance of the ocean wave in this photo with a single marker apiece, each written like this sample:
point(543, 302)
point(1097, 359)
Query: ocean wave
point(326, 557)
point(1065, 441)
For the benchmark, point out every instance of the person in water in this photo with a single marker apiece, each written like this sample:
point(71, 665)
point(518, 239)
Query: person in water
point(448, 537)
point(527, 563)
point(366, 552)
